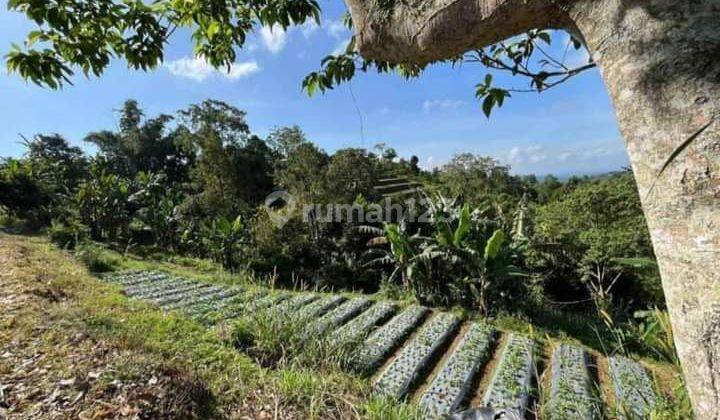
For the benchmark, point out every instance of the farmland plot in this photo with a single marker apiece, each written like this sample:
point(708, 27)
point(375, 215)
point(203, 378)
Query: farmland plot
point(426, 357)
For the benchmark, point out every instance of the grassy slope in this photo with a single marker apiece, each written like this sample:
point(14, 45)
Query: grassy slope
point(71, 345)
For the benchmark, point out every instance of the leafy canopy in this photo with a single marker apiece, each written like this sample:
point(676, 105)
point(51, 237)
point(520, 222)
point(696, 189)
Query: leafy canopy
point(74, 34)
point(87, 34)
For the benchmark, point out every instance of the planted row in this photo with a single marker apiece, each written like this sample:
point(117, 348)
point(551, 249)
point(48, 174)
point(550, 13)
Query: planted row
point(319, 307)
point(359, 327)
point(294, 303)
point(396, 379)
point(338, 315)
point(214, 307)
point(144, 289)
point(119, 277)
point(510, 387)
point(634, 393)
point(235, 307)
point(139, 278)
point(200, 290)
point(169, 291)
point(452, 385)
point(217, 295)
point(571, 392)
point(387, 338)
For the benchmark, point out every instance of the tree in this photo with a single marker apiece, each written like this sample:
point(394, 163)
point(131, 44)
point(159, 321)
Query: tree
point(142, 146)
point(461, 257)
point(21, 193)
point(302, 172)
point(88, 34)
point(284, 140)
point(588, 234)
point(225, 240)
point(483, 181)
point(102, 201)
point(351, 172)
point(157, 203)
point(658, 61)
point(223, 120)
point(53, 156)
point(34, 187)
point(233, 168)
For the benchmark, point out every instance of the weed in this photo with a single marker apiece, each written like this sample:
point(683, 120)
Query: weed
point(385, 408)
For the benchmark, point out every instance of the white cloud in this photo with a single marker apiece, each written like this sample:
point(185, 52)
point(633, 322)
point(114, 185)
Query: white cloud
point(441, 104)
point(274, 38)
point(532, 154)
point(565, 156)
point(590, 157)
point(198, 69)
point(308, 28)
point(597, 152)
point(430, 163)
point(341, 47)
point(240, 70)
point(336, 29)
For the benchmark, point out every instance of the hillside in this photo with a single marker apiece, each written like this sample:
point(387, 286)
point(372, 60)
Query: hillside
point(166, 341)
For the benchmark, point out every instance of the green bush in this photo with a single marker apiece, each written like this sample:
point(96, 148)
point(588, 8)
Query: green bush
point(242, 335)
point(594, 242)
point(459, 258)
point(95, 258)
point(225, 241)
point(67, 235)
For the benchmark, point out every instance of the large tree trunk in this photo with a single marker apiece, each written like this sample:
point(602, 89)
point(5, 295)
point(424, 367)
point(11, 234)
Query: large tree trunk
point(661, 63)
point(660, 60)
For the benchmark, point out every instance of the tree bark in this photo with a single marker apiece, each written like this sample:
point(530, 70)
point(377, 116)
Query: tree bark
point(660, 60)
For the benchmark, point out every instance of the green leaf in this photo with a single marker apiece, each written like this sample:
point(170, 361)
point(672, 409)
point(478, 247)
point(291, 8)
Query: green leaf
point(488, 104)
point(545, 37)
point(212, 29)
point(463, 225)
point(577, 44)
point(493, 245)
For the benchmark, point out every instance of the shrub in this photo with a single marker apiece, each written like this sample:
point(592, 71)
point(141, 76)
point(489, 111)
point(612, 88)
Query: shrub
point(460, 257)
point(225, 241)
point(102, 204)
point(242, 335)
point(588, 234)
point(95, 258)
point(68, 234)
point(280, 338)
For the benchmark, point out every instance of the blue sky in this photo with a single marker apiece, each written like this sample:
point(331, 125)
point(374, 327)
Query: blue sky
point(570, 129)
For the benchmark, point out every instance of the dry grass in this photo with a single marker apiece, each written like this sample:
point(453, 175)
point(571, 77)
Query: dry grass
point(53, 367)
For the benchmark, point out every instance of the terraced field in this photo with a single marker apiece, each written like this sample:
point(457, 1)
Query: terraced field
point(426, 357)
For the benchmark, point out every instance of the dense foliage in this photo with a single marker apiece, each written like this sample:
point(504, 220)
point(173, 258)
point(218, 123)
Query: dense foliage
point(468, 233)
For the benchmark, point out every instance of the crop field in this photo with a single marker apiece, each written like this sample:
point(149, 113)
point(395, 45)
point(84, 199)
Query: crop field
point(426, 357)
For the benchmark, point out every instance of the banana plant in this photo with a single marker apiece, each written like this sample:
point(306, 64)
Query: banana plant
point(463, 251)
point(224, 240)
point(402, 252)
